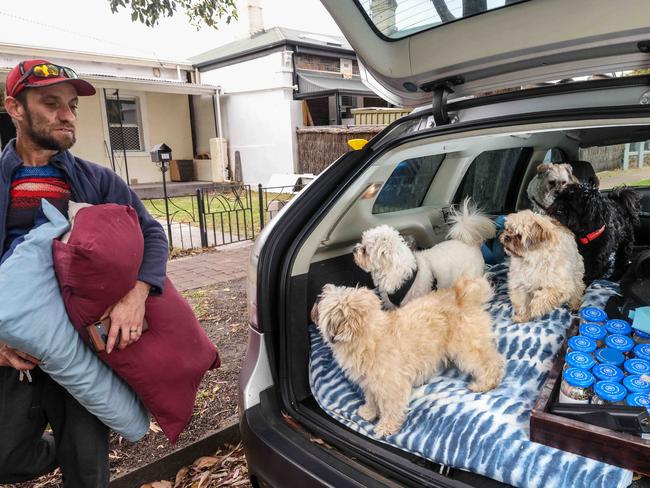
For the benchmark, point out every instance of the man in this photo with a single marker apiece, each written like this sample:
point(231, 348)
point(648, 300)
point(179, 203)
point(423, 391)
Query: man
point(42, 100)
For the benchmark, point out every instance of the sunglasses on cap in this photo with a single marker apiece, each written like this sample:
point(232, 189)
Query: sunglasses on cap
point(45, 70)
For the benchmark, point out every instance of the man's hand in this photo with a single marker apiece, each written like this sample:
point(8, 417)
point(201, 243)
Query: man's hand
point(16, 359)
point(127, 317)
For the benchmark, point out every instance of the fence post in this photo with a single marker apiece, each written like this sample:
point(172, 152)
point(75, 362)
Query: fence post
point(260, 195)
point(202, 224)
point(641, 158)
point(250, 206)
point(626, 157)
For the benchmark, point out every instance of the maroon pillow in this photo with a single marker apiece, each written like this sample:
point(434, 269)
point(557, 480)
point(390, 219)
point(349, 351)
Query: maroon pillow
point(95, 269)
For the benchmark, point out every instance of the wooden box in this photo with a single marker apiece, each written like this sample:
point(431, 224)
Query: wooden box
point(609, 446)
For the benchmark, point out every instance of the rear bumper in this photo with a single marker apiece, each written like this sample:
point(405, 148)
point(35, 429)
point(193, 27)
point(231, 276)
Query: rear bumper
point(279, 455)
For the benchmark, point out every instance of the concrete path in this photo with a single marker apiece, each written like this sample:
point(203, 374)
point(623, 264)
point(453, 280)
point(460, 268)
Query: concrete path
point(187, 235)
point(610, 179)
point(223, 264)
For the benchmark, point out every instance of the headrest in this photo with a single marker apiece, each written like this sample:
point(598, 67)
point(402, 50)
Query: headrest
point(584, 171)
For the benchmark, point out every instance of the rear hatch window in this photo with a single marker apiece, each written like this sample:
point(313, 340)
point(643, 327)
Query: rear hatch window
point(400, 18)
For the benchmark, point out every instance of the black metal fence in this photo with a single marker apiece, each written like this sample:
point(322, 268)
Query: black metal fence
point(216, 215)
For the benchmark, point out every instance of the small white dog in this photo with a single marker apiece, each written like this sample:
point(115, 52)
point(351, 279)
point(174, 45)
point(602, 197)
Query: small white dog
point(402, 275)
point(546, 268)
point(387, 353)
point(549, 180)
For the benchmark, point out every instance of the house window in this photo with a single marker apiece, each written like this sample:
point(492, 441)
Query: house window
point(124, 124)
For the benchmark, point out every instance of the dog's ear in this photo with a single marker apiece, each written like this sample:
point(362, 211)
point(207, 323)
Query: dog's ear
point(593, 181)
point(544, 168)
point(382, 253)
point(541, 230)
point(345, 323)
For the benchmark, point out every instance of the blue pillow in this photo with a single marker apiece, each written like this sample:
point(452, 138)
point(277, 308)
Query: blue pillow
point(33, 319)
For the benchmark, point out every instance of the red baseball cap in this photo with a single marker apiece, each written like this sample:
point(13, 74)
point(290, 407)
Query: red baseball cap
point(23, 75)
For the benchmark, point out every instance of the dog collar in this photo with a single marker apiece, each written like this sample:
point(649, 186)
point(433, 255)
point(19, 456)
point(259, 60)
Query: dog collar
point(396, 297)
point(592, 236)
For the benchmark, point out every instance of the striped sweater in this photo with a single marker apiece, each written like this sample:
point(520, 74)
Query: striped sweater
point(28, 186)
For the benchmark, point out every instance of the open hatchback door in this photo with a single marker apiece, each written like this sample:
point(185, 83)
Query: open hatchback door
point(408, 48)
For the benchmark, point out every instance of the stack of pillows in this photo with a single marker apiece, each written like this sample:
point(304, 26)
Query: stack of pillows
point(96, 267)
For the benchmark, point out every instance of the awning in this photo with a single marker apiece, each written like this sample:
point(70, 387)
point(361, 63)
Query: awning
point(311, 84)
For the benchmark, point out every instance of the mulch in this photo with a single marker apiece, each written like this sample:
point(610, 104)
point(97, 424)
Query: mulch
point(221, 310)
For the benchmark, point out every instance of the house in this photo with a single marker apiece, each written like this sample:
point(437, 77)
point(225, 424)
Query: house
point(275, 81)
point(139, 103)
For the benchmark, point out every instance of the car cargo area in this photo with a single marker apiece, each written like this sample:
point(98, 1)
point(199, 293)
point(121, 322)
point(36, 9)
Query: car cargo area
point(482, 439)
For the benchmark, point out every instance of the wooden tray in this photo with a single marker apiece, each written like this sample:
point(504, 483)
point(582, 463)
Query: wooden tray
point(617, 448)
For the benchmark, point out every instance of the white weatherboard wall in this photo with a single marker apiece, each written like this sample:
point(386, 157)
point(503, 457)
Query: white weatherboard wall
point(165, 118)
point(259, 114)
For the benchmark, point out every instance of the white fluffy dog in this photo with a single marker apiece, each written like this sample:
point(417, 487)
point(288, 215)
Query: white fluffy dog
point(387, 353)
point(549, 179)
point(546, 268)
point(402, 275)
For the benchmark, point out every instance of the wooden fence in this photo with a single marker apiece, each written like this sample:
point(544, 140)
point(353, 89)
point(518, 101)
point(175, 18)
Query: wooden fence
point(318, 147)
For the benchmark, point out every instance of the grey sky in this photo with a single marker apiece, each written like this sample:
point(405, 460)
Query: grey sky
point(89, 25)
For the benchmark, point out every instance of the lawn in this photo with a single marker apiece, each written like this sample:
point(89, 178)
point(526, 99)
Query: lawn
point(645, 182)
point(228, 211)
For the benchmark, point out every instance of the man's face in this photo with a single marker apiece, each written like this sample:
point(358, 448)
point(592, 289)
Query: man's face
point(50, 116)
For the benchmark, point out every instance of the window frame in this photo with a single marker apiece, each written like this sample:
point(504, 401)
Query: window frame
point(141, 109)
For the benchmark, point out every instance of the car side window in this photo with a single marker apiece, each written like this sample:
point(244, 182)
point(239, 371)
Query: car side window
point(408, 184)
point(554, 155)
point(489, 179)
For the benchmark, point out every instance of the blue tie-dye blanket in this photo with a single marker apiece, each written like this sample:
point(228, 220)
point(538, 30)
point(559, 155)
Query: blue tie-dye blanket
point(484, 433)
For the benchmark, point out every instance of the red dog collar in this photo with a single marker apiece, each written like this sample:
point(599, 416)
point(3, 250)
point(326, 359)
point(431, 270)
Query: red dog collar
point(592, 236)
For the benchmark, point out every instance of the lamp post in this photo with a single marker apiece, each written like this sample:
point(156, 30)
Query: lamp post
point(161, 154)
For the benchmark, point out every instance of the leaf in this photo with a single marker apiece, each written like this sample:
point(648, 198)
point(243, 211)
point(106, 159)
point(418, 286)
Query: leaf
point(158, 484)
point(205, 462)
point(182, 473)
point(199, 12)
point(203, 478)
point(153, 427)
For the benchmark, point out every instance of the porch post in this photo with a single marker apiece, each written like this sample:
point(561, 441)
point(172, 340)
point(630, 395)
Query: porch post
point(338, 107)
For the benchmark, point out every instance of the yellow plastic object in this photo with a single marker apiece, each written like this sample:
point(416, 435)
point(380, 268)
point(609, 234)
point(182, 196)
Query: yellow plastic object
point(357, 144)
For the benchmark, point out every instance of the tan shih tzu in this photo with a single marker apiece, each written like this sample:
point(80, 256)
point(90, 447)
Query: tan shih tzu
point(546, 269)
point(387, 353)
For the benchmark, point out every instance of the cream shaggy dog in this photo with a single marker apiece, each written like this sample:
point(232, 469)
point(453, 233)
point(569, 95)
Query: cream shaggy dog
point(546, 269)
point(401, 274)
point(387, 353)
point(549, 179)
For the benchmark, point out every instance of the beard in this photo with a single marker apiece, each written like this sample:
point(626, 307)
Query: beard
point(41, 137)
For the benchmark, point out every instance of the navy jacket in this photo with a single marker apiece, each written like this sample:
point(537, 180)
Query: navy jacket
point(95, 184)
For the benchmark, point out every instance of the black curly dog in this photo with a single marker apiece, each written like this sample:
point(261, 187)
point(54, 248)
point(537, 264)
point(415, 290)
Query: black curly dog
point(603, 225)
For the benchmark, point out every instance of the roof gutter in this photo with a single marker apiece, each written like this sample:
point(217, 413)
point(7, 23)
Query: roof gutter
point(30, 51)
